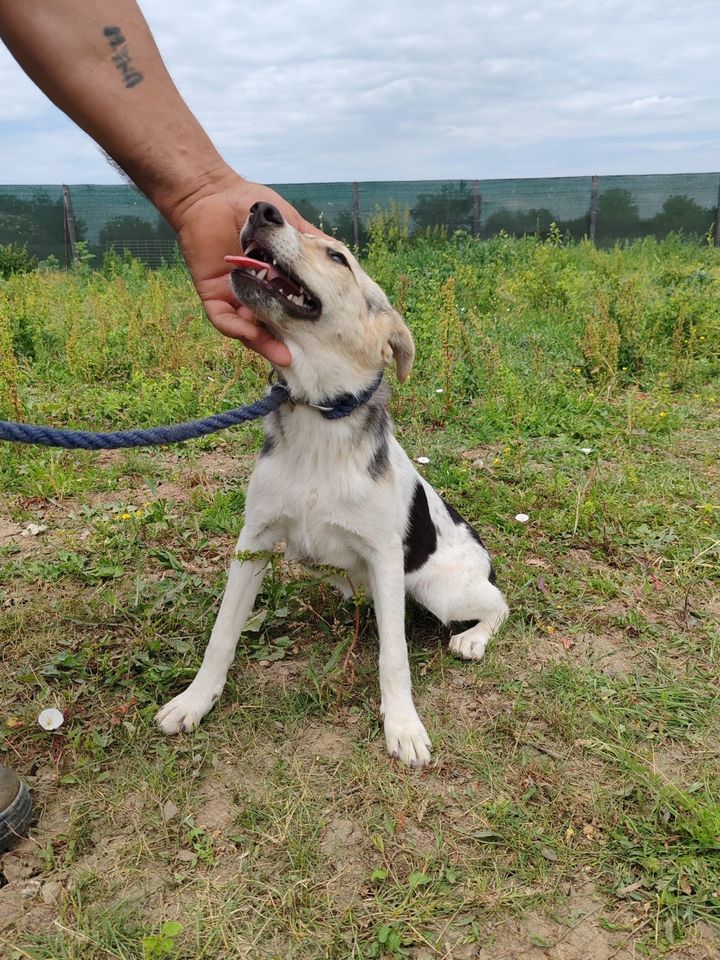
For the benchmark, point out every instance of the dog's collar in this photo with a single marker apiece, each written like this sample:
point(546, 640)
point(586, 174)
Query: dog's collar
point(335, 408)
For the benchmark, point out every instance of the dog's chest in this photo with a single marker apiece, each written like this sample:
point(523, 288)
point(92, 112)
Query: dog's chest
point(323, 526)
point(329, 506)
point(321, 543)
point(326, 515)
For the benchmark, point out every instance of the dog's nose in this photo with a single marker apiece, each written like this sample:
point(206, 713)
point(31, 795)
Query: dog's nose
point(265, 214)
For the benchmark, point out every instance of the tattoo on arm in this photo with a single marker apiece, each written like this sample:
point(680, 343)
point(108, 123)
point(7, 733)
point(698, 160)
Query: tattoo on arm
point(121, 57)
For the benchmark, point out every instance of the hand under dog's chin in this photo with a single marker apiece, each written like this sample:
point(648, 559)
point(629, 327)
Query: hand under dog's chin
point(262, 309)
point(271, 327)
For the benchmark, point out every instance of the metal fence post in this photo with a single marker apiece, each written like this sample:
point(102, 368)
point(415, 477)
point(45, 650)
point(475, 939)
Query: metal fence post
point(356, 212)
point(594, 196)
point(717, 220)
point(477, 207)
point(70, 221)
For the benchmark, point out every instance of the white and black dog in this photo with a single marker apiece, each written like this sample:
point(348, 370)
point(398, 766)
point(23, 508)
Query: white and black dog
point(342, 492)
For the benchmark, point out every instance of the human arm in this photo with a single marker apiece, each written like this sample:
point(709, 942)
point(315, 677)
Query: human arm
point(97, 60)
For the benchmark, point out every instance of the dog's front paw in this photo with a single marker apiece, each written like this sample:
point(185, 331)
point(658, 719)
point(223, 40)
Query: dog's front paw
point(184, 712)
point(471, 644)
point(407, 739)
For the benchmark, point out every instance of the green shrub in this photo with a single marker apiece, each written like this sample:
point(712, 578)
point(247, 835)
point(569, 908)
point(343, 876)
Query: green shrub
point(16, 259)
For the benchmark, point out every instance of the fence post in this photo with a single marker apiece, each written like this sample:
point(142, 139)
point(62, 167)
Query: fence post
point(477, 207)
point(356, 212)
point(717, 220)
point(594, 195)
point(69, 221)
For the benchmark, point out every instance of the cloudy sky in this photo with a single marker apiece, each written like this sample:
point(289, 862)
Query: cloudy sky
point(303, 91)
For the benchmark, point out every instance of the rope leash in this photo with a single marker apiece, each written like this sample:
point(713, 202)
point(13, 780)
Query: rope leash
point(334, 409)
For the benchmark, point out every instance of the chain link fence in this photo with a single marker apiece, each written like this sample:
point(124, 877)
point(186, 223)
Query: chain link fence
point(52, 220)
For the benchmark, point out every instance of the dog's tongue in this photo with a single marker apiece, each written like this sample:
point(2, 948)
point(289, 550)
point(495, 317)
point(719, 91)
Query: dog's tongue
point(273, 276)
point(248, 263)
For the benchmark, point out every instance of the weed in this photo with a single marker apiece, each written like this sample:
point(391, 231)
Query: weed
point(158, 946)
point(15, 259)
point(9, 372)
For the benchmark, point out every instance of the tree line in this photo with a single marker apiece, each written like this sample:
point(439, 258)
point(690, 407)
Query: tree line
point(454, 208)
point(38, 223)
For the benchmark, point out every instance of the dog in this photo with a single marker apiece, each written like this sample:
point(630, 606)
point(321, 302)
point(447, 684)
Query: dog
point(342, 492)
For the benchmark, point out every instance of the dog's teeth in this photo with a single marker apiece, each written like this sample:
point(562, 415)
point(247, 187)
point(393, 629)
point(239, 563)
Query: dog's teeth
point(274, 263)
point(262, 274)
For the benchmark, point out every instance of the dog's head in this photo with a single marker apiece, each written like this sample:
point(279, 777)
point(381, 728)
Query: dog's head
point(311, 292)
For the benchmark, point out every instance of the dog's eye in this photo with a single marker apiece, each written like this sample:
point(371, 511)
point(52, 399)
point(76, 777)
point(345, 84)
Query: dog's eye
point(338, 257)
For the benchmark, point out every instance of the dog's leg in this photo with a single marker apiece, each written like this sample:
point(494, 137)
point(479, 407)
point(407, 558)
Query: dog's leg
point(487, 604)
point(471, 643)
point(405, 734)
point(245, 577)
point(455, 588)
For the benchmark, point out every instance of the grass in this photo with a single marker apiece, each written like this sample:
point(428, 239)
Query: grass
point(572, 807)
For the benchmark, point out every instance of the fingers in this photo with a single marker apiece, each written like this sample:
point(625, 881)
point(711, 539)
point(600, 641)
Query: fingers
point(273, 350)
point(267, 346)
point(240, 325)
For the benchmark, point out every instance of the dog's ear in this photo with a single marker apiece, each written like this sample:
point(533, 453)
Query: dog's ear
point(399, 345)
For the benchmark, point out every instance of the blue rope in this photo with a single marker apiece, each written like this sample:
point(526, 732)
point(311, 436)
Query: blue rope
point(339, 407)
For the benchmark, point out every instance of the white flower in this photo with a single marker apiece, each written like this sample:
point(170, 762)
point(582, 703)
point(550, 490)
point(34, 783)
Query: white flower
point(51, 719)
point(586, 450)
point(522, 517)
point(422, 459)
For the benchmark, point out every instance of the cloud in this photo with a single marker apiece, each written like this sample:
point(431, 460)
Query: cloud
point(305, 92)
point(653, 103)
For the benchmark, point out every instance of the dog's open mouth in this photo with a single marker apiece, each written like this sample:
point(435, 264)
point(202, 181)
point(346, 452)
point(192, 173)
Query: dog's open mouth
point(260, 270)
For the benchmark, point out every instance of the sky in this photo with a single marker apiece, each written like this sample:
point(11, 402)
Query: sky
point(308, 91)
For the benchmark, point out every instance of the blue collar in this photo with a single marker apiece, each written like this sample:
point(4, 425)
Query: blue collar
point(335, 408)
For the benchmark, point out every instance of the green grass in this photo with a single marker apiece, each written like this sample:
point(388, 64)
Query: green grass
point(573, 804)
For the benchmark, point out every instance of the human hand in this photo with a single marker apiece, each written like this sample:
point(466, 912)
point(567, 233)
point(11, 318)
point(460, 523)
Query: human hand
point(148, 130)
point(209, 228)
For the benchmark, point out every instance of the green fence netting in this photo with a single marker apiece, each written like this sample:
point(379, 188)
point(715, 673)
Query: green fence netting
point(608, 209)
